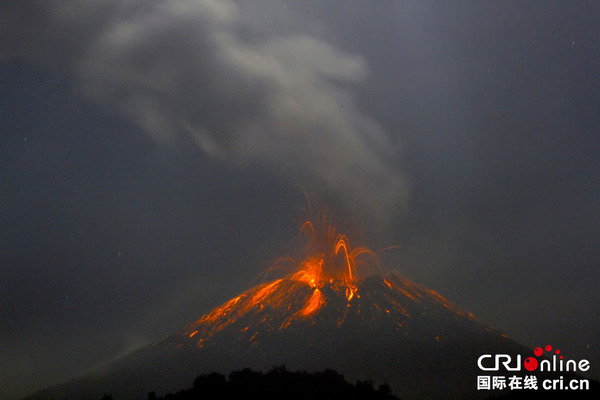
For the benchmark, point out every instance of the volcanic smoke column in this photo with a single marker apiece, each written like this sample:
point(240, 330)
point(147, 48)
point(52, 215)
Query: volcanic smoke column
point(182, 71)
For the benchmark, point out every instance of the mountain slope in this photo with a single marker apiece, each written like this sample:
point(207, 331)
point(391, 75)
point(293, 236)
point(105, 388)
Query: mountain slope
point(383, 327)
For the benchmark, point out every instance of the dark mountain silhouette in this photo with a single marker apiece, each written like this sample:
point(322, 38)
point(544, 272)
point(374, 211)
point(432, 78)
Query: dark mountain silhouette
point(382, 328)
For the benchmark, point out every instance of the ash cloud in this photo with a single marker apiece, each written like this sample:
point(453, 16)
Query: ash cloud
point(190, 69)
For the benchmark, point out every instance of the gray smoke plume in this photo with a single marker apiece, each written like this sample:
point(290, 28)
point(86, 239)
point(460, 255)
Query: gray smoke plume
point(190, 68)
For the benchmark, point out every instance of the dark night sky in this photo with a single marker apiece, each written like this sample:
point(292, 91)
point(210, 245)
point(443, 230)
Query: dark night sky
point(149, 152)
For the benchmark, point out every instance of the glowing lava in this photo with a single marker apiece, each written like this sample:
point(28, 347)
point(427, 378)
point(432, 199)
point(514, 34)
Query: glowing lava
point(329, 258)
point(330, 280)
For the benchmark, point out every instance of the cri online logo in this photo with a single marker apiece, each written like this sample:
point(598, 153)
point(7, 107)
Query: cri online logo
point(489, 362)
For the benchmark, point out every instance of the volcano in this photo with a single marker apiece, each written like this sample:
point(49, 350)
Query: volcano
point(384, 328)
point(337, 308)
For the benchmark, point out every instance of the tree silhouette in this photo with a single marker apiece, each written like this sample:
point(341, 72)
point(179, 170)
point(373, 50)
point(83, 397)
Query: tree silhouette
point(279, 383)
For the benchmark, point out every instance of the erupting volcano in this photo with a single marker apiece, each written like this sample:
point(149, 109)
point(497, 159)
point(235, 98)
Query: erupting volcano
point(334, 284)
point(330, 265)
point(335, 307)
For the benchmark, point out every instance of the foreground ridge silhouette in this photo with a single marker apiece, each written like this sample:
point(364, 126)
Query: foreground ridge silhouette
point(278, 383)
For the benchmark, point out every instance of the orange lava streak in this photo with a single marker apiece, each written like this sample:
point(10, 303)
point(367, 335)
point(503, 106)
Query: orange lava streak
point(342, 243)
point(313, 304)
point(264, 292)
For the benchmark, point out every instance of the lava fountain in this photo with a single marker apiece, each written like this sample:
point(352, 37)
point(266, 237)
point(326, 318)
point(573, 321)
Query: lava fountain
point(328, 258)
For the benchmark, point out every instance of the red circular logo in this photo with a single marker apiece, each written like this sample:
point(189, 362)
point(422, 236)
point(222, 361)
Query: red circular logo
point(530, 364)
